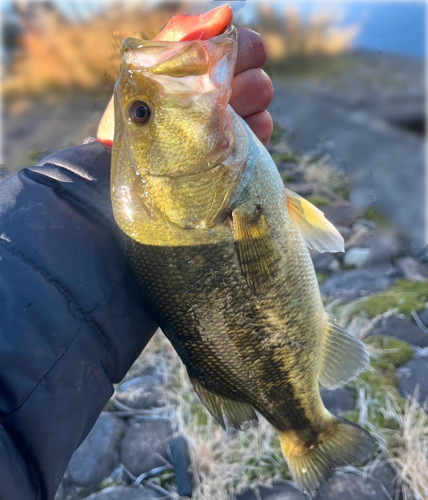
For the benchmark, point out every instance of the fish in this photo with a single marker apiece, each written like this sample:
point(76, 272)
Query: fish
point(220, 250)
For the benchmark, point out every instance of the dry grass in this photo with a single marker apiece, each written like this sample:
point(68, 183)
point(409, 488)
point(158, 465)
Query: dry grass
point(287, 34)
point(411, 453)
point(226, 463)
point(223, 463)
point(56, 52)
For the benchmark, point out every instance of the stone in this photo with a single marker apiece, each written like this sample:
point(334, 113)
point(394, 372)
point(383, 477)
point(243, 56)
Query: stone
point(354, 284)
point(412, 270)
point(421, 254)
point(61, 494)
point(384, 472)
point(413, 377)
point(181, 462)
point(338, 401)
point(344, 231)
point(304, 189)
point(356, 257)
point(126, 493)
point(145, 445)
point(389, 166)
point(401, 328)
point(280, 490)
point(341, 214)
point(352, 486)
point(97, 456)
point(140, 392)
point(325, 262)
point(423, 316)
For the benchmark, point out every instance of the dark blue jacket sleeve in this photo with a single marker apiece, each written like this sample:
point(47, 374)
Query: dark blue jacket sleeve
point(71, 317)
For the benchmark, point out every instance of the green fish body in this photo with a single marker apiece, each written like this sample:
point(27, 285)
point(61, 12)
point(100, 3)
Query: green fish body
point(220, 250)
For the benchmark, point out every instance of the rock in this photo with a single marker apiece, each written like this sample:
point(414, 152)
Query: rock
point(423, 316)
point(325, 262)
point(344, 231)
point(281, 490)
point(182, 466)
point(384, 472)
point(389, 160)
point(338, 401)
point(356, 257)
point(354, 284)
point(401, 328)
point(412, 270)
point(61, 494)
point(140, 392)
point(304, 189)
point(341, 214)
point(96, 457)
point(145, 445)
point(413, 376)
point(362, 234)
point(421, 254)
point(126, 493)
point(352, 486)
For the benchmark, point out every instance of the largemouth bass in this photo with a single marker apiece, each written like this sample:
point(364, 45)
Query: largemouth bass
point(220, 249)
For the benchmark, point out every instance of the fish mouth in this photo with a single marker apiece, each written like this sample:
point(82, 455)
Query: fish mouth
point(137, 44)
point(226, 32)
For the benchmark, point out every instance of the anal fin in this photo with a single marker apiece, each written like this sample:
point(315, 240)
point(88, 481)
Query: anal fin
point(226, 411)
point(343, 357)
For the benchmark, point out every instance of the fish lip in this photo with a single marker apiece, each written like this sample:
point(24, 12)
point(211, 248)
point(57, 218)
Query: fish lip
point(131, 43)
point(226, 32)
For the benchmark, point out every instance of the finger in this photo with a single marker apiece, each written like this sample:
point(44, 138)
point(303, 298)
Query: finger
point(251, 52)
point(252, 91)
point(262, 125)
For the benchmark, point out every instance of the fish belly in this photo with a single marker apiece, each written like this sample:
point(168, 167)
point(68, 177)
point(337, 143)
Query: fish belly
point(261, 349)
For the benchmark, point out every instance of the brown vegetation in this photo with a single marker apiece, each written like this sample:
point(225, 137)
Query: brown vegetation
point(56, 52)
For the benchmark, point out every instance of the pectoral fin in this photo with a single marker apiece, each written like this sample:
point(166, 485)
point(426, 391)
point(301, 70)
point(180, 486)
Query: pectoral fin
point(237, 414)
point(343, 357)
point(255, 249)
point(317, 231)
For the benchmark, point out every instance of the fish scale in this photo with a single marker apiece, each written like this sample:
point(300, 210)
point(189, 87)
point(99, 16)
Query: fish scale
point(172, 306)
point(220, 250)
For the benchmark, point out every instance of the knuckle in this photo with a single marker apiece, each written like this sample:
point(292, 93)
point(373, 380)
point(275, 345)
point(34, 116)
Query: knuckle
point(257, 49)
point(265, 87)
point(252, 44)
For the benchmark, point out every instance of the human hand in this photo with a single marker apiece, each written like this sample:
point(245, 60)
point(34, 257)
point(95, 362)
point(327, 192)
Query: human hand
point(252, 89)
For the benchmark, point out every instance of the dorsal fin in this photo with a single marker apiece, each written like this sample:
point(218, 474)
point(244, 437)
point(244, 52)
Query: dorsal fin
point(317, 231)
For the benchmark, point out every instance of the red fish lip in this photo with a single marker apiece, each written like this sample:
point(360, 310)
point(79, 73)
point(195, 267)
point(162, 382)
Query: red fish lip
point(197, 27)
point(132, 43)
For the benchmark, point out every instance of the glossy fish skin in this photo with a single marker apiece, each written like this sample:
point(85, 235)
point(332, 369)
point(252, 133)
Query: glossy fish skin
point(220, 251)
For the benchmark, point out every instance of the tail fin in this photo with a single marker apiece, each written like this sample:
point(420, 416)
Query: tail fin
point(344, 443)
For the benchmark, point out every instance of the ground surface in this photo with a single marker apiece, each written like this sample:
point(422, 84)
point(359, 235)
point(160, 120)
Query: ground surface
point(154, 439)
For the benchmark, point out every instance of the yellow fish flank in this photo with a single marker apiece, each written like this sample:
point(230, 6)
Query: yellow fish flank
point(220, 249)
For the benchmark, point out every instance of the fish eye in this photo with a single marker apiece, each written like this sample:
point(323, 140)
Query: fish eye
point(139, 112)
